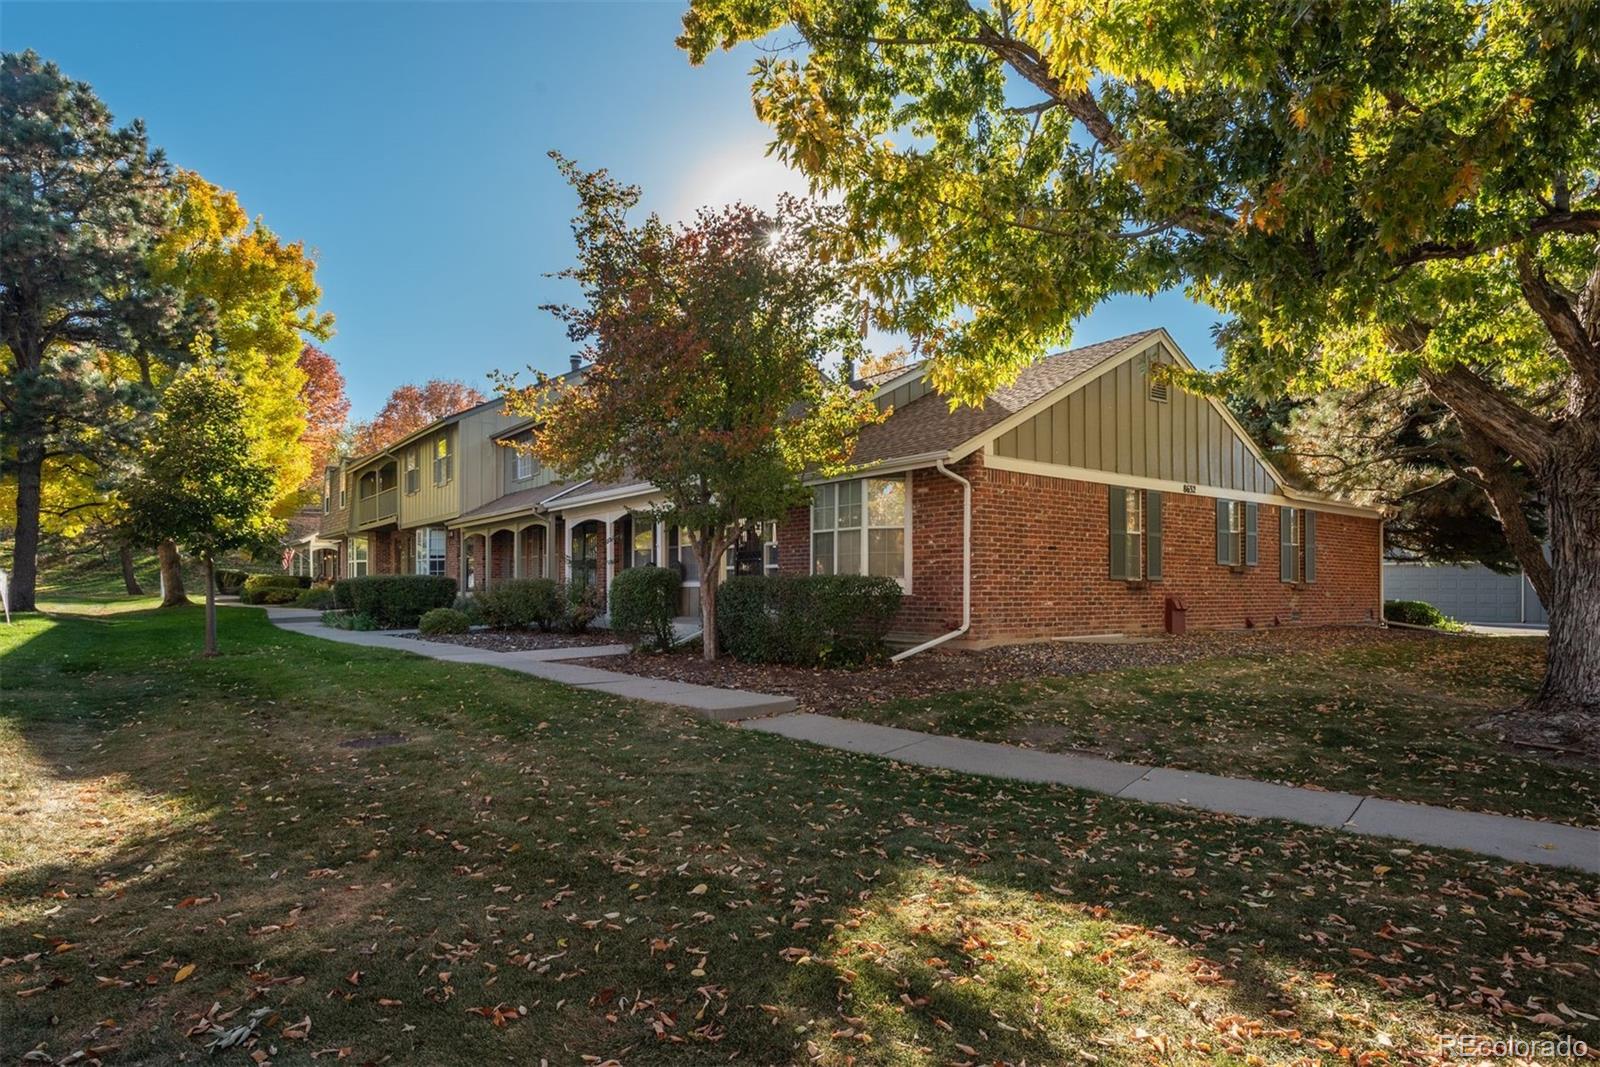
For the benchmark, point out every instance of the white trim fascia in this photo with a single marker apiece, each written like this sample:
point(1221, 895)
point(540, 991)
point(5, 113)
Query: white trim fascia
point(1133, 481)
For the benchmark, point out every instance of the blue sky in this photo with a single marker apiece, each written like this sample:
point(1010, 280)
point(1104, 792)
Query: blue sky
point(405, 143)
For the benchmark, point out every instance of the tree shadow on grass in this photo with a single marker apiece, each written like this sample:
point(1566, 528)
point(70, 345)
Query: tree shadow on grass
point(657, 889)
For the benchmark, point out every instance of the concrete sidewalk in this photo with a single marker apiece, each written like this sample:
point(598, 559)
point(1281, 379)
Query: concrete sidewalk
point(1523, 840)
point(706, 701)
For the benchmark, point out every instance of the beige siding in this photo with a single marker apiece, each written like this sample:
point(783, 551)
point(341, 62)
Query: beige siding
point(508, 458)
point(480, 462)
point(430, 504)
point(1111, 424)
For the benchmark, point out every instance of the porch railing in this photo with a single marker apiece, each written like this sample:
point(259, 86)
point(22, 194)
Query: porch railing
point(378, 506)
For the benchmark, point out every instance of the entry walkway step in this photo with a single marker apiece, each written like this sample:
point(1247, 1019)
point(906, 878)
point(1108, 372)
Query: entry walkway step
point(1523, 840)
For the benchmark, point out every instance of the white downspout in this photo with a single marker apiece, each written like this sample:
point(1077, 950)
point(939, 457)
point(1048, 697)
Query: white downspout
point(966, 568)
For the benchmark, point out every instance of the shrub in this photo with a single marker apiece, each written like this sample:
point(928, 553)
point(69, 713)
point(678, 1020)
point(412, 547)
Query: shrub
point(644, 601)
point(468, 606)
point(257, 586)
point(806, 620)
point(521, 603)
point(318, 596)
point(581, 607)
point(443, 621)
point(1415, 613)
point(394, 601)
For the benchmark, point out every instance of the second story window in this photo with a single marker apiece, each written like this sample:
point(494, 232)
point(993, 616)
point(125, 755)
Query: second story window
point(443, 468)
point(524, 465)
point(413, 471)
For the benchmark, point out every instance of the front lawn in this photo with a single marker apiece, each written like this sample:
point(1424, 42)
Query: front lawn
point(1392, 715)
point(372, 856)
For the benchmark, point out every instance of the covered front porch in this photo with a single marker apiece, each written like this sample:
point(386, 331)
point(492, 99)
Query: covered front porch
point(506, 549)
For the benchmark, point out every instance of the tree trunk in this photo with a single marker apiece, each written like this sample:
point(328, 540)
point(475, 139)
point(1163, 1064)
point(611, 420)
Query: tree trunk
point(25, 556)
point(211, 607)
point(172, 591)
point(1567, 708)
point(709, 549)
point(130, 580)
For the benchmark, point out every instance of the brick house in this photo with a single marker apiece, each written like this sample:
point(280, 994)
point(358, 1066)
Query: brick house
point(1085, 498)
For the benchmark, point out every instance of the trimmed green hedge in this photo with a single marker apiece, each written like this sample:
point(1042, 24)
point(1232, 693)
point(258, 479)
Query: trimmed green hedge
point(271, 588)
point(644, 601)
point(1414, 613)
point(806, 619)
point(443, 621)
point(394, 601)
point(521, 603)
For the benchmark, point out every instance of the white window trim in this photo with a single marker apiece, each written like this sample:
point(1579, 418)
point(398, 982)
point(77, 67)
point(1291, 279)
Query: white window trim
point(523, 460)
point(865, 527)
point(447, 457)
point(365, 557)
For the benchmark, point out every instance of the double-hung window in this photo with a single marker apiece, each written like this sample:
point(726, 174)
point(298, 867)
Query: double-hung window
point(523, 466)
point(862, 527)
point(1236, 533)
point(1297, 540)
point(413, 471)
point(443, 466)
point(430, 550)
point(1134, 521)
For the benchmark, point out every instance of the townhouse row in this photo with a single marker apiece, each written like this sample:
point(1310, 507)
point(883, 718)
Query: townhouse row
point(1085, 498)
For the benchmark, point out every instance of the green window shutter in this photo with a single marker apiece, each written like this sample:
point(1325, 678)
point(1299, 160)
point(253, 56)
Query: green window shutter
point(1152, 535)
point(1252, 535)
point(1224, 556)
point(1310, 537)
point(1286, 553)
point(1119, 530)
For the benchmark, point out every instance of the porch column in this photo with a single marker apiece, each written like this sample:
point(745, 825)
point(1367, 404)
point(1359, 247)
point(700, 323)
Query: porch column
point(461, 560)
point(565, 574)
point(660, 547)
point(516, 552)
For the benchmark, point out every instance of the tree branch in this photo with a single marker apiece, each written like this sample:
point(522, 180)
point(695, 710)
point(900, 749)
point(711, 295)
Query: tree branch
point(1554, 306)
point(1502, 420)
point(1569, 222)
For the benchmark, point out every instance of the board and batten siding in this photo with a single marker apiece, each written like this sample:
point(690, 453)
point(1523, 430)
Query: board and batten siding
point(480, 461)
point(1111, 424)
point(903, 394)
point(430, 504)
point(512, 483)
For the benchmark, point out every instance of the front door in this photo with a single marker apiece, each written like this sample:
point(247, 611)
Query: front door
point(585, 552)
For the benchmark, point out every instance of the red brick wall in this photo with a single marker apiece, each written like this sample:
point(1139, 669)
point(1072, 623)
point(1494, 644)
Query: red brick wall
point(1040, 563)
point(452, 555)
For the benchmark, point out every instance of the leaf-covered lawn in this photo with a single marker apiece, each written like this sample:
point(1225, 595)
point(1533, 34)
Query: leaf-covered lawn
point(503, 870)
point(1394, 719)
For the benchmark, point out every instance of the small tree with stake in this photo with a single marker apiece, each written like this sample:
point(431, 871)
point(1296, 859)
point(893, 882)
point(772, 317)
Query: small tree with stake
point(705, 344)
point(203, 483)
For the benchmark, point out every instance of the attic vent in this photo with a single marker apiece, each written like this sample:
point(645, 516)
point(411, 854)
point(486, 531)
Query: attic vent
point(1158, 392)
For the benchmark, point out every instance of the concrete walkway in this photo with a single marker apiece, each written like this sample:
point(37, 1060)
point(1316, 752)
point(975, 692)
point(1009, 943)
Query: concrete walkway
point(706, 701)
point(1523, 840)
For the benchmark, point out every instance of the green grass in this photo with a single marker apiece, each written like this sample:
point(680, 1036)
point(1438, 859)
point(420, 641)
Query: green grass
point(540, 873)
point(1394, 719)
